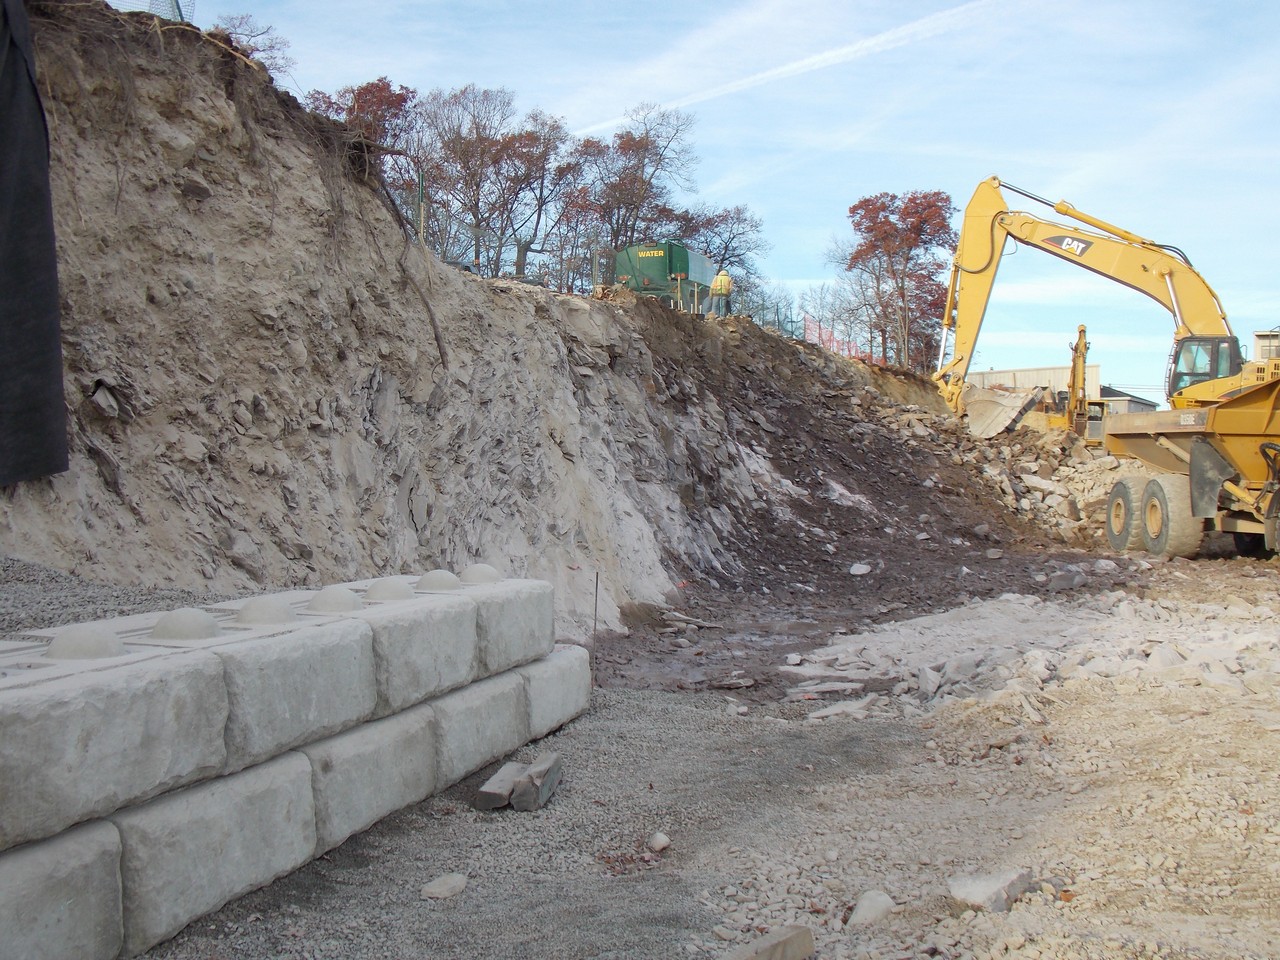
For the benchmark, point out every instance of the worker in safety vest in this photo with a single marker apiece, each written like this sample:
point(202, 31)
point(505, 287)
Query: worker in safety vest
point(721, 287)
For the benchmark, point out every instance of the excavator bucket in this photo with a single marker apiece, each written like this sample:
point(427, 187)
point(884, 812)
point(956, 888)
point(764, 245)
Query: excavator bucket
point(990, 412)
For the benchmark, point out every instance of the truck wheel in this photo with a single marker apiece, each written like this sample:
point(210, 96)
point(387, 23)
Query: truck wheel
point(1168, 528)
point(1124, 531)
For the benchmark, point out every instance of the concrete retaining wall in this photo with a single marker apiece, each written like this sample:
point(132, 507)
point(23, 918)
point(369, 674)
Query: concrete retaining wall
point(191, 763)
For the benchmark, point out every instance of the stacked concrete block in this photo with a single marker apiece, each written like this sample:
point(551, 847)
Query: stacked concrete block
point(289, 690)
point(81, 746)
point(557, 688)
point(421, 647)
point(363, 775)
point(515, 622)
point(61, 899)
point(193, 850)
point(478, 724)
point(212, 751)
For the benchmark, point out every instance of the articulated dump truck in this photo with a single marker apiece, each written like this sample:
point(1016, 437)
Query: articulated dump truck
point(1212, 461)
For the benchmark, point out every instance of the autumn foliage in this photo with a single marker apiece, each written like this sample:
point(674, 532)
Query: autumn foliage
point(897, 261)
point(505, 193)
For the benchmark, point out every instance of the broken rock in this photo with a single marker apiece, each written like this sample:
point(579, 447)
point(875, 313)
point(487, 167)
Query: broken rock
point(873, 905)
point(993, 892)
point(789, 943)
point(496, 791)
point(443, 887)
point(538, 783)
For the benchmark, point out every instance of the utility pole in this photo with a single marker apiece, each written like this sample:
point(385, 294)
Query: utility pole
point(422, 219)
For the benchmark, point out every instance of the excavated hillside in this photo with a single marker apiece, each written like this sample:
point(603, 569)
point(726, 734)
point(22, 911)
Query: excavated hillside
point(924, 716)
point(271, 386)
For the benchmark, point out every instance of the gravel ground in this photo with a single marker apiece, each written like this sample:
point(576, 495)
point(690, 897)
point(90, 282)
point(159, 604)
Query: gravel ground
point(1145, 805)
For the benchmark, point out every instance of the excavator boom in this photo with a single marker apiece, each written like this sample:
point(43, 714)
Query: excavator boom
point(1161, 272)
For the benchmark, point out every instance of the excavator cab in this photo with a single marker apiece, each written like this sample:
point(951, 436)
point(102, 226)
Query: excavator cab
point(1198, 359)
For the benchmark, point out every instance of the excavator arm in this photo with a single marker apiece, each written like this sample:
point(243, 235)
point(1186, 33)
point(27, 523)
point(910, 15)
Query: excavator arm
point(1161, 272)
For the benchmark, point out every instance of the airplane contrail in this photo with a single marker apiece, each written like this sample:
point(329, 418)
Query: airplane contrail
point(921, 29)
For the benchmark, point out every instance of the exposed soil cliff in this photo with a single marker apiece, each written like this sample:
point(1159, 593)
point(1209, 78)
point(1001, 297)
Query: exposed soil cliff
point(269, 385)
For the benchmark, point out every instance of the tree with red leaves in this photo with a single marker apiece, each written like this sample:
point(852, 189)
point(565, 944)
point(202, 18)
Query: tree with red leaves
point(897, 262)
point(376, 110)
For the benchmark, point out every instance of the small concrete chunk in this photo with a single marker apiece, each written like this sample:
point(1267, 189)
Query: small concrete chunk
point(295, 688)
point(515, 623)
point(558, 687)
point(993, 892)
point(478, 724)
point(496, 791)
point(60, 898)
point(84, 745)
point(538, 783)
point(191, 851)
point(444, 887)
point(367, 773)
point(786, 943)
point(872, 906)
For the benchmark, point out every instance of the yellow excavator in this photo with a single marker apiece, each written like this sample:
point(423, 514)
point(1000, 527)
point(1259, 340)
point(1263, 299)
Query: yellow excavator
point(1072, 409)
point(1213, 458)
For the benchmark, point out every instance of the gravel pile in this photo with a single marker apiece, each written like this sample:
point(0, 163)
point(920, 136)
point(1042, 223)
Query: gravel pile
point(34, 597)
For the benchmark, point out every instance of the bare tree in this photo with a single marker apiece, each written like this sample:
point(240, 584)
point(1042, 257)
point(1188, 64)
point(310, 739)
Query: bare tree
point(770, 304)
point(261, 43)
point(465, 137)
point(633, 178)
point(732, 238)
point(538, 174)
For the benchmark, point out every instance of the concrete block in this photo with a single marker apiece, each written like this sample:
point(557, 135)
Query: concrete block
point(191, 851)
point(421, 648)
point(515, 623)
point(33, 667)
point(81, 746)
point(478, 724)
point(297, 687)
point(558, 687)
point(60, 898)
point(363, 775)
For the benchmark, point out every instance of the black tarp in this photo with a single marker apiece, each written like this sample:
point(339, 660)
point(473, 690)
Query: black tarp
point(33, 421)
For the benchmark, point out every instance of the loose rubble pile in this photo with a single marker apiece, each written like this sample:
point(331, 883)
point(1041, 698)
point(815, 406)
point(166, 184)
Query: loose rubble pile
point(1033, 705)
point(1020, 645)
point(1054, 479)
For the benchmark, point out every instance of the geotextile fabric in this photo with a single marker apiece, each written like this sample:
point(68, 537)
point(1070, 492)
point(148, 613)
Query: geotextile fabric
point(33, 428)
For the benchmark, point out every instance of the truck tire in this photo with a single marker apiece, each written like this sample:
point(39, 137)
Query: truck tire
point(1168, 527)
point(1124, 529)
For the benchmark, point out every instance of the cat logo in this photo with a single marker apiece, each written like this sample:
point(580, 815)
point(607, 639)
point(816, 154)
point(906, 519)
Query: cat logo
point(1069, 244)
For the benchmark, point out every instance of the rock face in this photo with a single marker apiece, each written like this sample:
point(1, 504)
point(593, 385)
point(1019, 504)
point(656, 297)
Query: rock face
point(269, 386)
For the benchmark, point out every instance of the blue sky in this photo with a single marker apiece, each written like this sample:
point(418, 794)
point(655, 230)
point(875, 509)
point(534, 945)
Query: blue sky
point(1161, 116)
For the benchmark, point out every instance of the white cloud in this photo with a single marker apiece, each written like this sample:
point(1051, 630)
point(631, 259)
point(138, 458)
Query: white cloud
point(908, 33)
